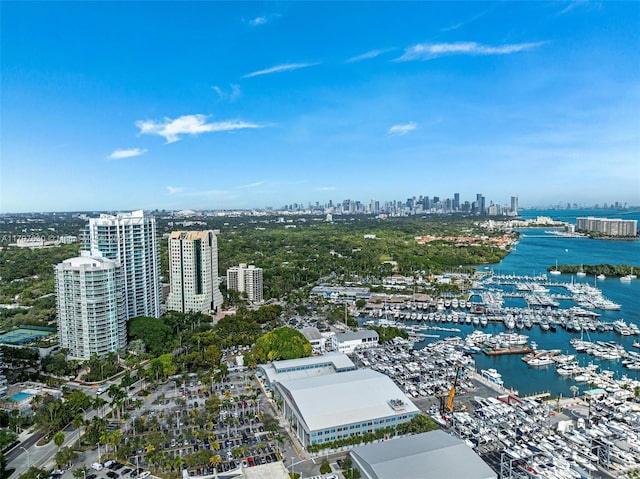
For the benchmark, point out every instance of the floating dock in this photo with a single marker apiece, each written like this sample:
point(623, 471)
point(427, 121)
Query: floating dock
point(512, 350)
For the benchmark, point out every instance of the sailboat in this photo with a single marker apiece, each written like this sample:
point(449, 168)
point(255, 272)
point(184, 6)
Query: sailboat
point(581, 273)
point(555, 271)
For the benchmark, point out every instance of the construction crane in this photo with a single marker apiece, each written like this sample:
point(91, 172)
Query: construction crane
point(452, 392)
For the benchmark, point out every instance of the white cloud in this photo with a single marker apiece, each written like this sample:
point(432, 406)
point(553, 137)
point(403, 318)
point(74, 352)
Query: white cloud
point(232, 96)
point(258, 21)
point(130, 153)
point(403, 129)
point(326, 188)
point(427, 51)
point(368, 55)
point(218, 90)
point(252, 185)
point(279, 68)
point(578, 3)
point(173, 130)
point(172, 190)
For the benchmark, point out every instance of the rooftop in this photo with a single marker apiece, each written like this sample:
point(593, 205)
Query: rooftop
point(347, 398)
point(339, 361)
point(409, 457)
point(291, 369)
point(355, 335)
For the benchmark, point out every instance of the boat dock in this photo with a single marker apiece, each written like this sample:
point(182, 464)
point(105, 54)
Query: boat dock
point(525, 349)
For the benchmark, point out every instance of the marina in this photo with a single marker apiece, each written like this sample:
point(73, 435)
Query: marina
point(560, 403)
point(597, 435)
point(588, 309)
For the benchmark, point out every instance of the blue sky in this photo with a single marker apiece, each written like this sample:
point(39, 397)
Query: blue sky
point(236, 105)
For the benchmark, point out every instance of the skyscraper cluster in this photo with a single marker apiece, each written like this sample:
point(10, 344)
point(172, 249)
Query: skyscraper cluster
point(415, 205)
point(115, 279)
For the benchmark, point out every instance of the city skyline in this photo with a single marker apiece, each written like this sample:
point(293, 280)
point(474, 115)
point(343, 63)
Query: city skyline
point(229, 106)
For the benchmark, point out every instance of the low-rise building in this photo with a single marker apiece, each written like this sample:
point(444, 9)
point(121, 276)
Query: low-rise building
point(315, 337)
point(335, 406)
point(291, 369)
point(348, 342)
point(409, 457)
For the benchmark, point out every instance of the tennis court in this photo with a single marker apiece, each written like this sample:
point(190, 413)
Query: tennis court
point(22, 335)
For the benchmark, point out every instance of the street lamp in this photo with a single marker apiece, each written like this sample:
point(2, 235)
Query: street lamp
point(293, 474)
point(28, 457)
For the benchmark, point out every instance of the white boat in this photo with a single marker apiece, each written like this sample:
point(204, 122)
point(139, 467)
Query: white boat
point(492, 375)
point(625, 279)
point(555, 271)
point(581, 273)
point(540, 361)
point(601, 276)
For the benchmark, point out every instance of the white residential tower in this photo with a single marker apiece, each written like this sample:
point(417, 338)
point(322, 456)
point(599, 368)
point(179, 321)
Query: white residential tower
point(130, 240)
point(246, 279)
point(90, 306)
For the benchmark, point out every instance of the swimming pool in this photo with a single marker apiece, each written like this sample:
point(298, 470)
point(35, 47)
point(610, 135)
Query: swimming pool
point(20, 396)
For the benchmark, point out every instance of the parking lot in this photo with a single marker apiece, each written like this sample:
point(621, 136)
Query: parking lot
point(219, 426)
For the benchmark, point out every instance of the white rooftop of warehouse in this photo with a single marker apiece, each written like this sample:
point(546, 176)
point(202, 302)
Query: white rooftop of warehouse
point(356, 335)
point(311, 366)
point(347, 398)
point(273, 470)
point(437, 452)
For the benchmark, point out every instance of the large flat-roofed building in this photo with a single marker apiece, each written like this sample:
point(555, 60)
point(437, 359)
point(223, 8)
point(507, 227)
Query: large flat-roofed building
point(290, 369)
point(607, 226)
point(334, 406)
point(193, 272)
point(351, 340)
point(430, 454)
point(341, 293)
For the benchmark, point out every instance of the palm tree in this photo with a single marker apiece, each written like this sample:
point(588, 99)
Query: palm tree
point(574, 390)
point(178, 462)
point(104, 439)
point(58, 438)
point(117, 395)
point(114, 439)
point(77, 423)
point(215, 460)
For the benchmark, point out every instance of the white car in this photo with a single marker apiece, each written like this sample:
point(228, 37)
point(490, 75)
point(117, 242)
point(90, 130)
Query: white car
point(97, 466)
point(144, 474)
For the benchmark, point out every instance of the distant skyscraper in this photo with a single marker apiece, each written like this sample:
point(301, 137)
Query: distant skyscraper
point(193, 272)
point(514, 205)
point(246, 279)
point(481, 205)
point(456, 201)
point(130, 240)
point(90, 306)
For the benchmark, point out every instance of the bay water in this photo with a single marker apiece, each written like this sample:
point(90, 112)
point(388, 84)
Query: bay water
point(538, 250)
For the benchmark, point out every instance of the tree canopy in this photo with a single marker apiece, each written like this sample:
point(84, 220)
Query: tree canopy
point(155, 334)
point(281, 343)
